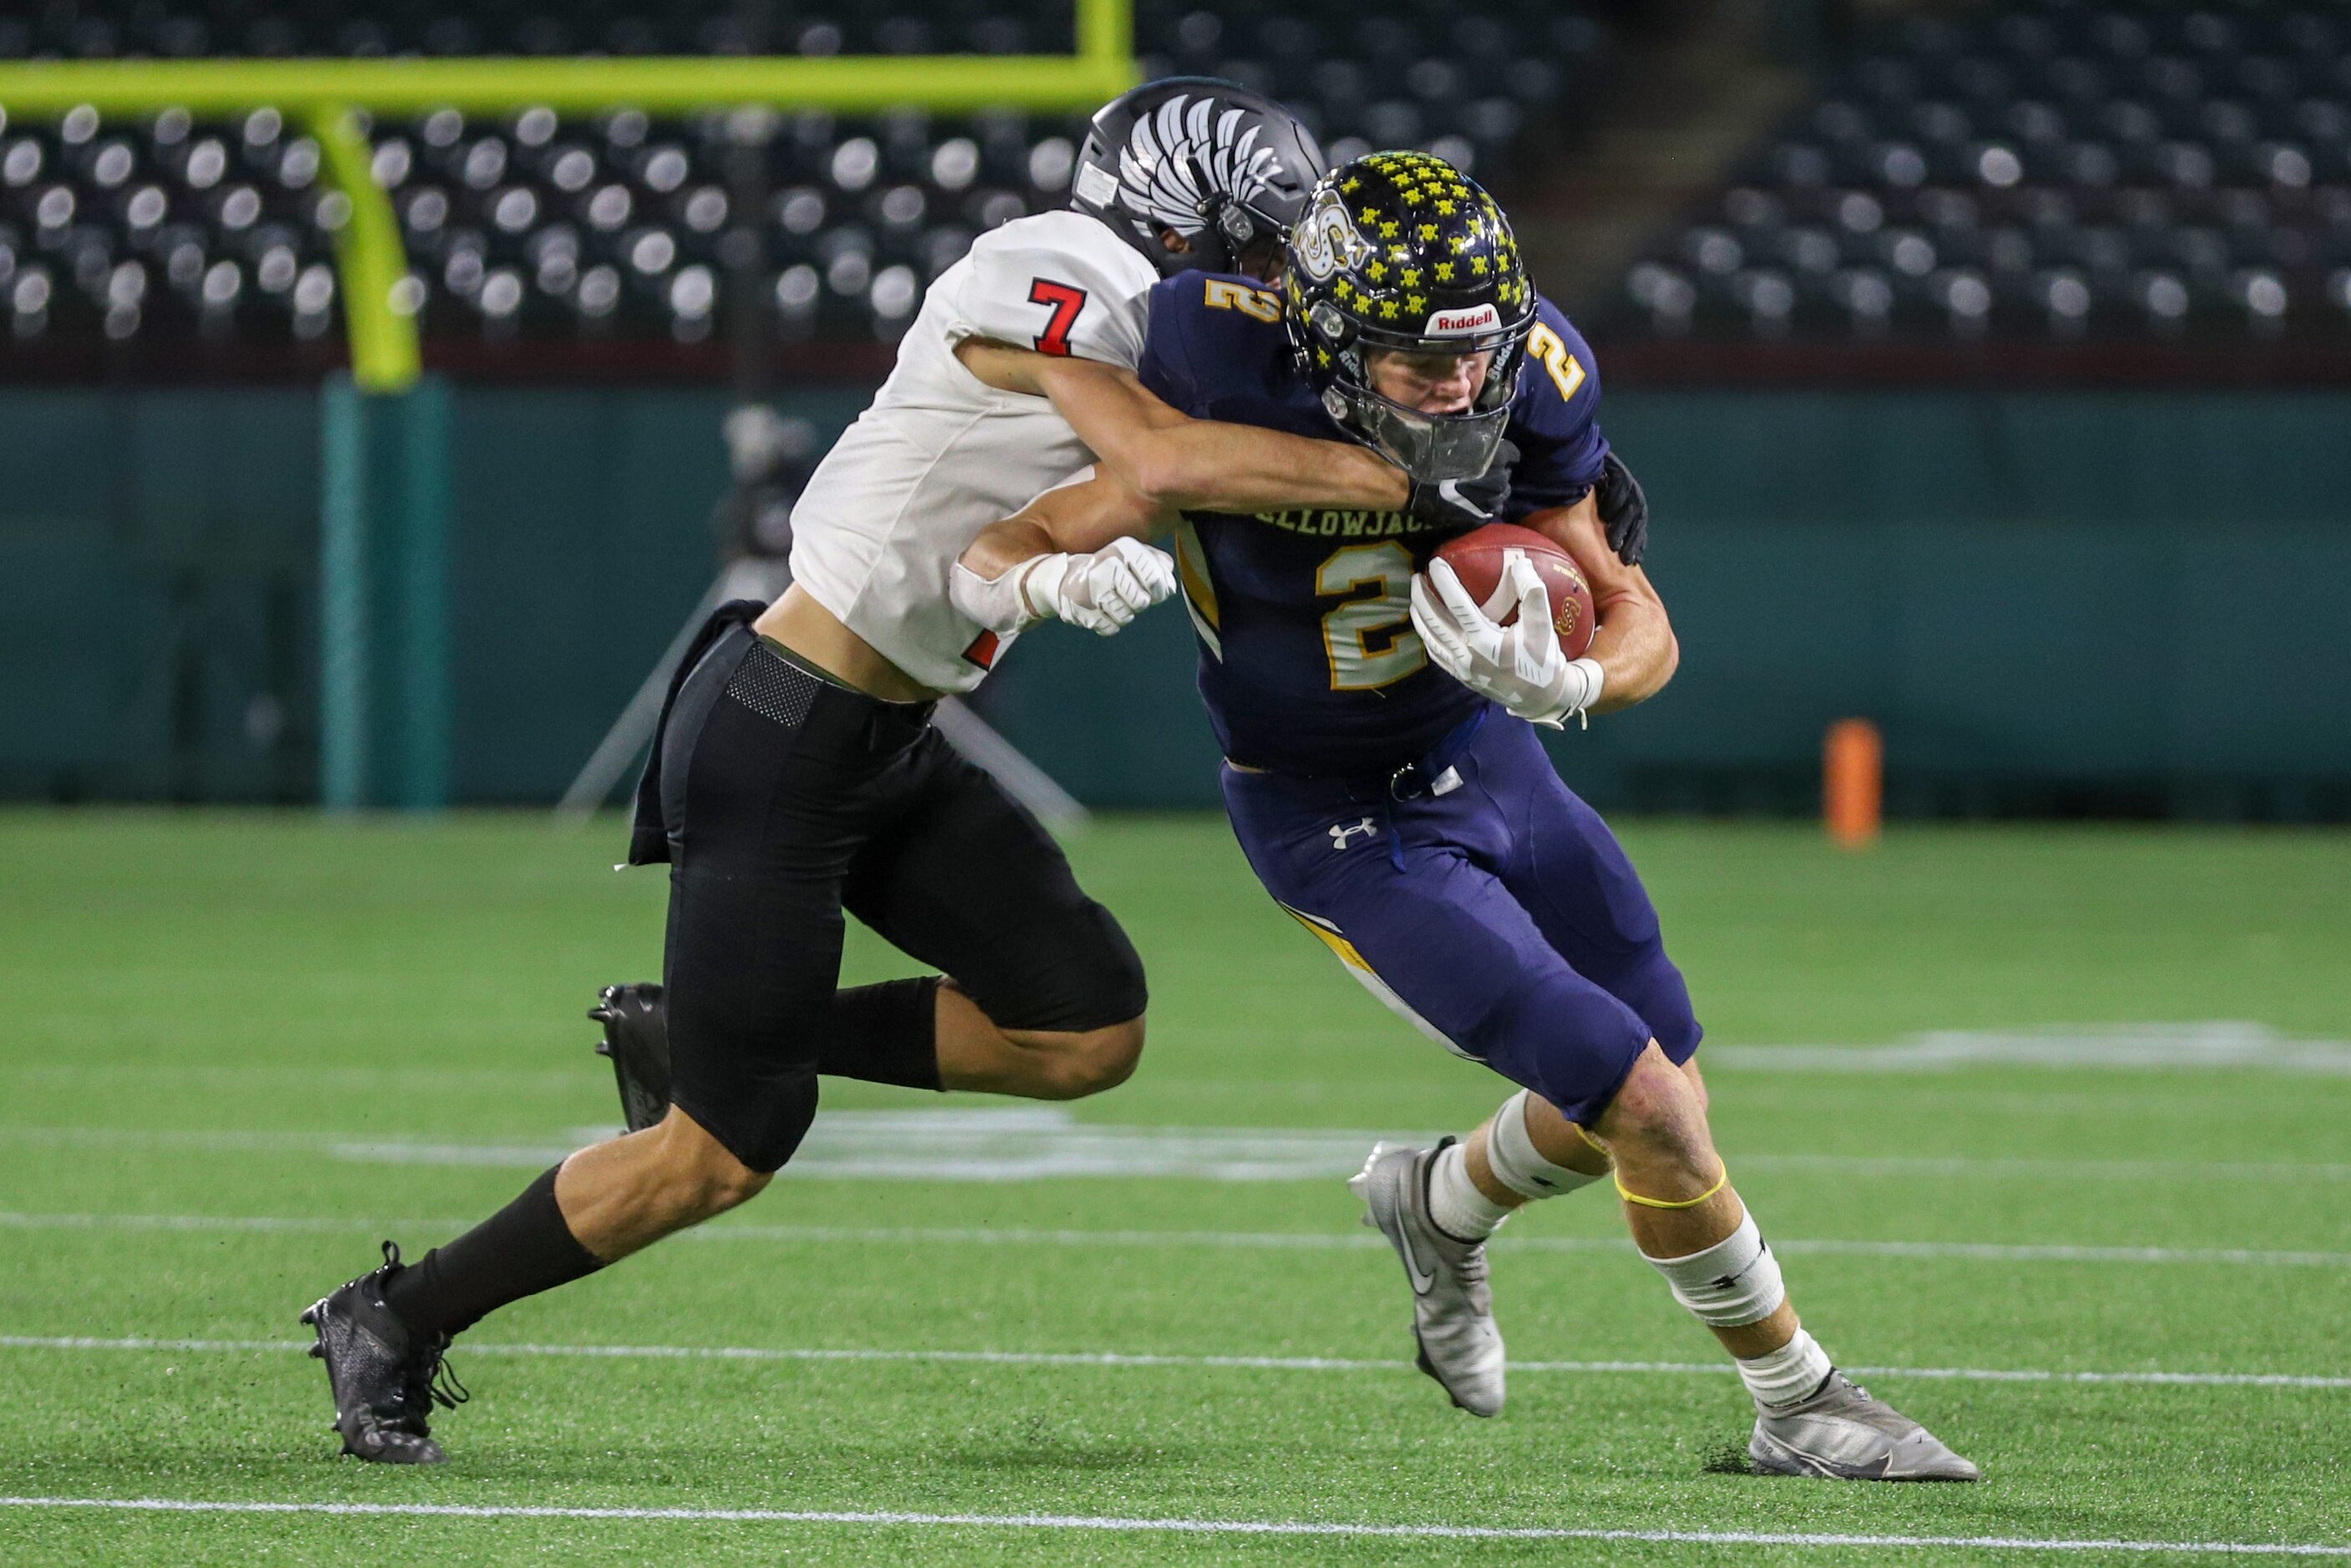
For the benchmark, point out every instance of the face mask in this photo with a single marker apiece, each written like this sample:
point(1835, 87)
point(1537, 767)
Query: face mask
point(1431, 447)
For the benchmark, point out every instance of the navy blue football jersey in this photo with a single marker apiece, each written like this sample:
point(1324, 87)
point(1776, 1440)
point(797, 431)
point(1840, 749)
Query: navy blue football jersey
point(1309, 662)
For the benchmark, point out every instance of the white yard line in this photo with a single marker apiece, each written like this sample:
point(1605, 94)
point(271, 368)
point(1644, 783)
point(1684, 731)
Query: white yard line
point(1971, 1251)
point(1147, 1359)
point(314, 1073)
point(1025, 1145)
point(261, 1223)
point(1994, 1251)
point(1266, 1241)
point(2205, 1046)
point(2027, 1166)
point(1188, 1526)
point(2132, 1047)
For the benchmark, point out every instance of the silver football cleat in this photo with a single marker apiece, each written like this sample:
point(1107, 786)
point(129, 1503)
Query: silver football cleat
point(1841, 1434)
point(1452, 1310)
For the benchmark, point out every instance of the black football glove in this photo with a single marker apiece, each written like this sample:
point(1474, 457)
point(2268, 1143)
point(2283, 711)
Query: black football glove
point(1467, 504)
point(1623, 510)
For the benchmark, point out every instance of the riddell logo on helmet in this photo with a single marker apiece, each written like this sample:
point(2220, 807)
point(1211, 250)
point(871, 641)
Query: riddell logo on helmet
point(1447, 323)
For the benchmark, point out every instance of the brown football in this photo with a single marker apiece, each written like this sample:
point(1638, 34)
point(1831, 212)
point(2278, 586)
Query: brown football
point(1480, 558)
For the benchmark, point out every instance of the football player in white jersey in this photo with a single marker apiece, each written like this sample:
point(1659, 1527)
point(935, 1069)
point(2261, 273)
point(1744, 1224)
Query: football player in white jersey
point(796, 774)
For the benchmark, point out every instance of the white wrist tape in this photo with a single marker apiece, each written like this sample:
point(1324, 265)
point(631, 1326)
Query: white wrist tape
point(991, 601)
point(1023, 595)
point(1734, 1282)
point(1039, 582)
point(1577, 689)
point(1515, 1161)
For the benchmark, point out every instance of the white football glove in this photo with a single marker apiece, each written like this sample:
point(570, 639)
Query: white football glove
point(1519, 665)
point(1102, 591)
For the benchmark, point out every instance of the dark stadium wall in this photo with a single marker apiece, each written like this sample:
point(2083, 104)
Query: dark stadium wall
point(158, 557)
point(2054, 602)
point(160, 548)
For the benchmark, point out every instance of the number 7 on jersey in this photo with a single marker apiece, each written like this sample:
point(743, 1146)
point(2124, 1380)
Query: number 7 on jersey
point(1066, 301)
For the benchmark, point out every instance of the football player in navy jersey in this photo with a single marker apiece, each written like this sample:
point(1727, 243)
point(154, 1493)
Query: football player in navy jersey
point(1384, 778)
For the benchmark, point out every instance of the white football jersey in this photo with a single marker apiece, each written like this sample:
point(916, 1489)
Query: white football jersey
point(939, 455)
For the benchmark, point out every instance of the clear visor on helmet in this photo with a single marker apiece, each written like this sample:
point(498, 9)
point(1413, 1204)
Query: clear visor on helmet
point(1431, 447)
point(1434, 447)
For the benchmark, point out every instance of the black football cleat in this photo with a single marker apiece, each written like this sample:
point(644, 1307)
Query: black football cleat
point(385, 1380)
point(636, 1042)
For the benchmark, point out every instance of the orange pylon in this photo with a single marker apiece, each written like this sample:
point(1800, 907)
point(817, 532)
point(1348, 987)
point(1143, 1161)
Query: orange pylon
point(1853, 783)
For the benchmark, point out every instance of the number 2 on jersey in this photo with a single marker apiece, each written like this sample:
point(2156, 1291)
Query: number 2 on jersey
point(1370, 640)
point(1066, 301)
point(1257, 304)
point(1543, 347)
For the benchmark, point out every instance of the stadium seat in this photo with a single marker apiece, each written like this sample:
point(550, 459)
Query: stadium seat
point(2041, 169)
point(544, 227)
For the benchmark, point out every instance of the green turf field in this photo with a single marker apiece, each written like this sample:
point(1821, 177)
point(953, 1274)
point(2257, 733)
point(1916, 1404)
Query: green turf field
point(239, 1050)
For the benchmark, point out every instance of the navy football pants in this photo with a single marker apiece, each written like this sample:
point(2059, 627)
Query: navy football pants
point(1516, 934)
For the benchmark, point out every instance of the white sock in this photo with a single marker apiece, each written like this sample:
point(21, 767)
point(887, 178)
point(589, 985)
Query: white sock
point(1461, 1210)
point(1787, 1374)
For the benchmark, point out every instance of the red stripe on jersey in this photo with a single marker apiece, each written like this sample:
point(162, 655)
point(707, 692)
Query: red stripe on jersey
point(982, 650)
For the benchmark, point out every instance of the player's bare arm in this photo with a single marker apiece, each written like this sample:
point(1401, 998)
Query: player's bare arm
point(1184, 463)
point(1077, 519)
point(1635, 642)
point(1075, 554)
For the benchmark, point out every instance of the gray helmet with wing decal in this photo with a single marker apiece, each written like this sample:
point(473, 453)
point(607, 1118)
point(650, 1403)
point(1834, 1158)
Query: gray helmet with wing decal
point(1224, 169)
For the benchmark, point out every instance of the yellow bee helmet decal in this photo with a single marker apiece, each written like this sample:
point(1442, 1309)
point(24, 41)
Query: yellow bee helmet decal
point(1402, 250)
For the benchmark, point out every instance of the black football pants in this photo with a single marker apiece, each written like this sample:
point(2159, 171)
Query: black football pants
point(787, 798)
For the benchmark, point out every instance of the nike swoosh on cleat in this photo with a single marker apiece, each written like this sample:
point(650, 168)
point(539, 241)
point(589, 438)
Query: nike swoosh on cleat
point(1422, 1279)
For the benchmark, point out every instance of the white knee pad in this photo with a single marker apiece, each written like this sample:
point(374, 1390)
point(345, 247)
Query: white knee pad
point(1734, 1282)
point(1516, 1163)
